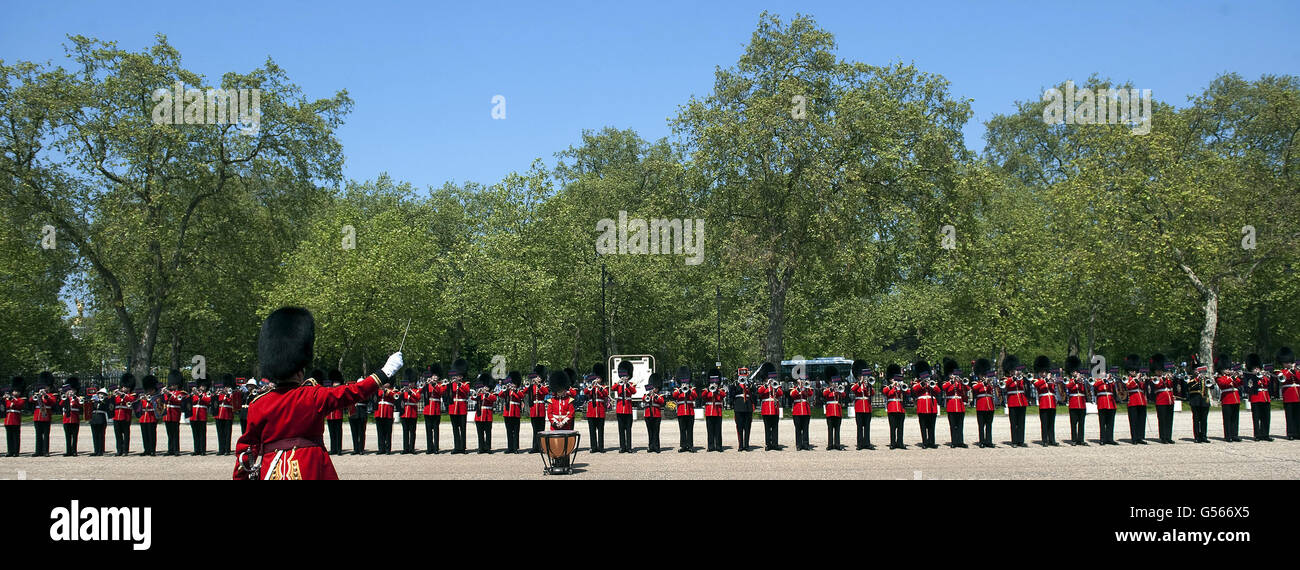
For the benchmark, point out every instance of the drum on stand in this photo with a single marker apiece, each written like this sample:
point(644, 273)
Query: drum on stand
point(559, 449)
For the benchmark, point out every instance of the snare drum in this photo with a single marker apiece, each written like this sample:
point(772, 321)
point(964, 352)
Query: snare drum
point(559, 448)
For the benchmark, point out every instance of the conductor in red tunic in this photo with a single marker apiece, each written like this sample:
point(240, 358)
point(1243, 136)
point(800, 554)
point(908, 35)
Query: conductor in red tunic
point(285, 424)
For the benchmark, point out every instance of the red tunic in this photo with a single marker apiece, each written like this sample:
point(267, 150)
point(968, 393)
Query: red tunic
point(459, 399)
point(297, 412)
point(800, 397)
point(148, 410)
point(559, 413)
point(172, 402)
point(386, 403)
point(484, 411)
point(1046, 392)
point(833, 407)
point(1164, 391)
point(596, 401)
point(654, 406)
point(14, 410)
point(336, 414)
point(1136, 392)
point(983, 396)
point(893, 398)
point(539, 392)
point(122, 407)
point(1076, 397)
point(199, 407)
point(771, 401)
point(862, 393)
point(1290, 386)
point(410, 403)
point(713, 402)
point(926, 403)
point(513, 406)
point(1105, 394)
point(685, 402)
point(954, 394)
point(42, 411)
point(1016, 393)
point(623, 397)
point(72, 408)
point(1261, 395)
point(226, 404)
point(1229, 390)
point(435, 392)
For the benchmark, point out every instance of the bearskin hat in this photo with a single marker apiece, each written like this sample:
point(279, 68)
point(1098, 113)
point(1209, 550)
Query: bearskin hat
point(17, 384)
point(539, 371)
point(336, 377)
point(894, 372)
point(832, 374)
point(1010, 364)
point(515, 378)
point(625, 368)
point(1253, 361)
point(434, 370)
point(683, 373)
point(485, 378)
point(560, 383)
point(921, 370)
point(1157, 361)
point(1132, 362)
point(861, 368)
point(983, 367)
point(44, 380)
point(127, 381)
point(285, 343)
point(149, 382)
point(74, 384)
point(656, 381)
point(1073, 364)
point(1285, 356)
point(458, 368)
point(1042, 363)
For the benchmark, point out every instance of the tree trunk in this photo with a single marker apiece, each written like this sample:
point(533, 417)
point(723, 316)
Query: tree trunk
point(176, 349)
point(778, 283)
point(1211, 325)
point(143, 354)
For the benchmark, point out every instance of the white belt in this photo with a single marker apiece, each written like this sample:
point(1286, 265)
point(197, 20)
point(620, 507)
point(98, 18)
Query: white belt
point(769, 399)
point(122, 407)
point(894, 400)
point(924, 396)
point(1292, 385)
point(1163, 390)
point(1105, 394)
point(172, 406)
point(383, 403)
point(954, 397)
point(1016, 392)
point(1228, 390)
point(224, 406)
point(856, 398)
point(801, 400)
point(459, 400)
point(983, 395)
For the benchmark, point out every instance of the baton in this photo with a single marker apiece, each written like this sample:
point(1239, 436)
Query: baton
point(408, 328)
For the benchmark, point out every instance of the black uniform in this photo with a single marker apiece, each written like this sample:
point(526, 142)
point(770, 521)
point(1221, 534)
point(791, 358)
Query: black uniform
point(742, 406)
point(101, 409)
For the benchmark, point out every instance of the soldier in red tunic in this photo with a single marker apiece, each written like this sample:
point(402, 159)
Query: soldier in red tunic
point(1014, 385)
point(512, 408)
point(410, 400)
point(983, 390)
point(801, 396)
point(597, 394)
point(123, 402)
point(43, 402)
point(1076, 399)
point(484, 398)
point(713, 397)
point(285, 424)
point(434, 387)
point(863, 390)
point(172, 403)
point(385, 403)
point(894, 392)
point(927, 403)
point(1136, 387)
point(148, 403)
point(1106, 388)
point(535, 392)
point(559, 411)
point(200, 399)
point(1258, 383)
point(954, 406)
point(769, 395)
point(685, 395)
point(653, 402)
point(227, 400)
point(1046, 384)
point(14, 403)
point(334, 419)
point(72, 404)
point(1229, 398)
point(459, 408)
point(1163, 386)
point(833, 395)
point(623, 391)
point(1289, 379)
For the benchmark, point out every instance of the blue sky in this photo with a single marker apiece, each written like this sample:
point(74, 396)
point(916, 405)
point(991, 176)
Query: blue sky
point(423, 76)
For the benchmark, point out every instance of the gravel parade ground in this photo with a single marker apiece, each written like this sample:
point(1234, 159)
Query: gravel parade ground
point(1279, 459)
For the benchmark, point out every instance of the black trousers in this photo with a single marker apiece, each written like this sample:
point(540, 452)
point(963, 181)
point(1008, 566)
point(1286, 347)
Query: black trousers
point(956, 427)
point(713, 426)
point(744, 422)
point(686, 426)
point(458, 432)
point(1292, 412)
point(224, 429)
point(833, 432)
point(863, 421)
point(12, 441)
point(42, 438)
point(652, 428)
point(1137, 423)
point(1106, 421)
point(771, 431)
point(896, 420)
point(539, 426)
point(384, 435)
point(984, 424)
point(512, 433)
point(200, 432)
point(408, 435)
point(1260, 415)
point(432, 432)
point(597, 428)
point(336, 436)
point(357, 426)
point(97, 433)
point(70, 438)
point(1047, 425)
point(1200, 423)
point(122, 435)
point(149, 438)
point(927, 422)
point(801, 424)
point(624, 432)
point(484, 436)
point(173, 430)
point(1017, 417)
point(1231, 420)
point(1077, 418)
point(1165, 422)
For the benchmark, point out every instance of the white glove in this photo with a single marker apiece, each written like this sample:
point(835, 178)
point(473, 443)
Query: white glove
point(393, 365)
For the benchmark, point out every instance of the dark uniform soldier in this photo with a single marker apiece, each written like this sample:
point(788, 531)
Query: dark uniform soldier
point(894, 392)
point(742, 397)
point(359, 416)
point(535, 392)
point(985, 401)
point(1014, 386)
point(653, 404)
point(685, 395)
point(954, 396)
point(623, 391)
point(863, 390)
point(1197, 389)
point(769, 395)
point(72, 405)
point(834, 395)
point(101, 409)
